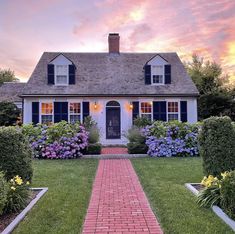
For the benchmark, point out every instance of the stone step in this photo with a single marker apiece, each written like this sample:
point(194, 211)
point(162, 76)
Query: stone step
point(112, 156)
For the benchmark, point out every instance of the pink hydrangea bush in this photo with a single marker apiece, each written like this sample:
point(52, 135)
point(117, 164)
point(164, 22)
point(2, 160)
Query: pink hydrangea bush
point(58, 141)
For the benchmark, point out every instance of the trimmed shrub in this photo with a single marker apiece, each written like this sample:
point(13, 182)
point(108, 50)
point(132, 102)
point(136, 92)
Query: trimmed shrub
point(217, 145)
point(93, 135)
point(3, 192)
point(17, 196)
point(16, 154)
point(9, 114)
point(141, 122)
point(228, 194)
point(136, 143)
point(94, 148)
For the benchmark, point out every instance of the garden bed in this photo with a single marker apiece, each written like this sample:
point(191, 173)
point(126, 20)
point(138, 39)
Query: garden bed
point(195, 189)
point(9, 221)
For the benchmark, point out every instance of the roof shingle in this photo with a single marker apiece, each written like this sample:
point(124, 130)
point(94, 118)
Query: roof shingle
point(110, 74)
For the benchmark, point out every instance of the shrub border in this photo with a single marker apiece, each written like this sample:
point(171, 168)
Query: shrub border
point(217, 210)
point(24, 212)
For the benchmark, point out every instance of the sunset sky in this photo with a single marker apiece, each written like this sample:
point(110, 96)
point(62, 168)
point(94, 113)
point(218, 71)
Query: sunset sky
point(28, 28)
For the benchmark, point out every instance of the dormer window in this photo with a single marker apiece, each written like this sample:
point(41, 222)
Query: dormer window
point(157, 74)
point(61, 71)
point(61, 75)
point(157, 71)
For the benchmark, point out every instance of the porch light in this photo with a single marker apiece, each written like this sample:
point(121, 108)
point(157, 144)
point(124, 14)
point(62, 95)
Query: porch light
point(151, 103)
point(95, 105)
point(131, 106)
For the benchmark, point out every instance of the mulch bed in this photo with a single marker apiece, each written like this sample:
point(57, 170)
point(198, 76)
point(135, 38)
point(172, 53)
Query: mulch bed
point(6, 219)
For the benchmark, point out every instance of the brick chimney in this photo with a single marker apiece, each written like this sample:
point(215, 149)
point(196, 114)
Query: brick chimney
point(113, 40)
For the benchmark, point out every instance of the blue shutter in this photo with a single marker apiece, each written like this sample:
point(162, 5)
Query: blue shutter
point(135, 111)
point(71, 74)
point(50, 74)
point(35, 112)
point(167, 74)
point(159, 110)
point(85, 109)
point(147, 72)
point(60, 111)
point(183, 111)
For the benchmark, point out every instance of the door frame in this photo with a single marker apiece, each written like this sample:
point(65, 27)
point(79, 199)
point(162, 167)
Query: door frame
point(119, 118)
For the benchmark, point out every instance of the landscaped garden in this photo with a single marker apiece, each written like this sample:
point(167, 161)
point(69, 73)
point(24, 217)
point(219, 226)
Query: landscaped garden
point(174, 150)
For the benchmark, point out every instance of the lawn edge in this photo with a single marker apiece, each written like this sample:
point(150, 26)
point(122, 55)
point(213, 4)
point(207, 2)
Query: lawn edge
point(24, 212)
point(217, 210)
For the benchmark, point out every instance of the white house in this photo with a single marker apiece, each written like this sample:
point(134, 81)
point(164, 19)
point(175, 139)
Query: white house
point(113, 88)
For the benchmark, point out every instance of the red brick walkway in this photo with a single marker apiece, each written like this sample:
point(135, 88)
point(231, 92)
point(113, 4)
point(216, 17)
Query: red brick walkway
point(118, 203)
point(114, 150)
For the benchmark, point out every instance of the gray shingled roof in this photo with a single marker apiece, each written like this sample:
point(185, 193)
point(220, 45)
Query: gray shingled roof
point(10, 91)
point(110, 74)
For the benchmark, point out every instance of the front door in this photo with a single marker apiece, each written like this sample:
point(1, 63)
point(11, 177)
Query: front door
point(113, 125)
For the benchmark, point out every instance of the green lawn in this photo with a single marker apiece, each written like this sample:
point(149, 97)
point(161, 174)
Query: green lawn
point(163, 181)
point(63, 207)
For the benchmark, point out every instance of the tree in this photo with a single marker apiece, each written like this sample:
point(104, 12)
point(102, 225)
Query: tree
point(9, 114)
point(215, 99)
point(7, 76)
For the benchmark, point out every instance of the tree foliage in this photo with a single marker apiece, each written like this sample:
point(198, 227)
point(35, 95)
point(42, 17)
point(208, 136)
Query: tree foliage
point(215, 99)
point(9, 113)
point(7, 75)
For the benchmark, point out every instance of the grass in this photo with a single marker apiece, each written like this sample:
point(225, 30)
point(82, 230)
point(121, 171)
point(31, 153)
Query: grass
point(63, 207)
point(163, 180)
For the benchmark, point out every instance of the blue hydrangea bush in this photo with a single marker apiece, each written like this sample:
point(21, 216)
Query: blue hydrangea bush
point(172, 139)
point(58, 141)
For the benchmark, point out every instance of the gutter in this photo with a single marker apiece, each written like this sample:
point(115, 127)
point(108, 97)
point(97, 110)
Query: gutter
point(110, 95)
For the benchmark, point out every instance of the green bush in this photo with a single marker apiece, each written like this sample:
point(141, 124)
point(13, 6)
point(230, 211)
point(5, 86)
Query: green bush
point(93, 135)
point(93, 148)
point(9, 113)
point(88, 123)
point(217, 145)
point(3, 192)
point(228, 194)
point(17, 196)
point(15, 154)
point(136, 143)
point(136, 148)
point(141, 122)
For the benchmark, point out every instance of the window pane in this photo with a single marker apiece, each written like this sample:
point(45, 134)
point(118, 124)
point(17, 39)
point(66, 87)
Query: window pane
point(157, 79)
point(74, 108)
point(157, 70)
point(147, 116)
point(46, 119)
point(146, 107)
point(62, 70)
point(74, 118)
point(172, 106)
point(172, 117)
point(61, 79)
point(46, 108)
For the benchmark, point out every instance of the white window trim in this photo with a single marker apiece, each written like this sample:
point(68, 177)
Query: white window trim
point(163, 75)
point(40, 110)
point(81, 110)
point(140, 113)
point(55, 75)
point(173, 112)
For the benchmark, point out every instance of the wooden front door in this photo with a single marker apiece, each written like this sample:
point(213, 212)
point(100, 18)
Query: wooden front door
point(113, 123)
